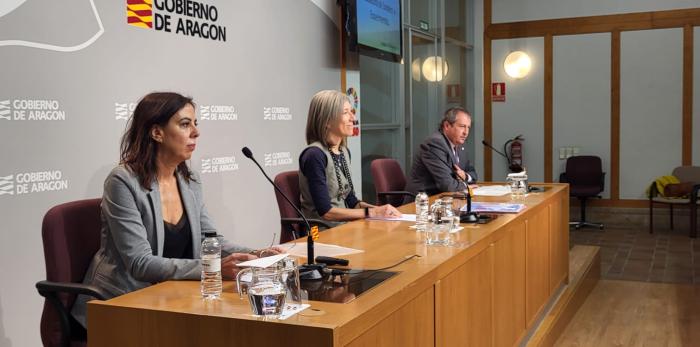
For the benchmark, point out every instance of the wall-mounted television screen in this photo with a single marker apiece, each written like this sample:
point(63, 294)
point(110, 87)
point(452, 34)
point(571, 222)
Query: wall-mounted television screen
point(375, 28)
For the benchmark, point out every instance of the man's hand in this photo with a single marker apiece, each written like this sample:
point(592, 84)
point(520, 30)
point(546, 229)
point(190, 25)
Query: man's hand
point(460, 173)
point(274, 250)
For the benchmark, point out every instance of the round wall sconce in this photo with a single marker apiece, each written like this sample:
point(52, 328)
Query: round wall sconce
point(434, 69)
point(517, 64)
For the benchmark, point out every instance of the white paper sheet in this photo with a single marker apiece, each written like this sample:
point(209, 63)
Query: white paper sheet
point(491, 191)
point(292, 309)
point(405, 217)
point(299, 249)
point(263, 262)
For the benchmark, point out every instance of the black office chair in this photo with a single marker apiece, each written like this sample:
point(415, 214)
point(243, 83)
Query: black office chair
point(292, 225)
point(586, 180)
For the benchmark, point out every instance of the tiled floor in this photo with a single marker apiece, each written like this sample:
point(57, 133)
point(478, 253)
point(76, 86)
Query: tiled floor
point(635, 255)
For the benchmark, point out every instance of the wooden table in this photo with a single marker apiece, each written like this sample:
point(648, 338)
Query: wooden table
point(487, 291)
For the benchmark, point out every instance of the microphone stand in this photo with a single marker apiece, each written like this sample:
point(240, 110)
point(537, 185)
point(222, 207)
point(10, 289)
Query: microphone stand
point(469, 216)
point(512, 167)
point(310, 270)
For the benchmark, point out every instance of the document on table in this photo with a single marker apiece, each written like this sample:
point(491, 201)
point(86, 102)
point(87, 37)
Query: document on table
point(495, 207)
point(404, 218)
point(491, 191)
point(299, 249)
point(263, 262)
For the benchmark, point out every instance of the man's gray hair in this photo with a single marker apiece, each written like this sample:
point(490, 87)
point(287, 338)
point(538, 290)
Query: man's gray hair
point(450, 115)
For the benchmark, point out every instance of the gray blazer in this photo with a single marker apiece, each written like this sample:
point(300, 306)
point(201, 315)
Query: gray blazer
point(131, 246)
point(432, 170)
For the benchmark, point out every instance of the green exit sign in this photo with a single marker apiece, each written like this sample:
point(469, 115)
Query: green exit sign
point(424, 25)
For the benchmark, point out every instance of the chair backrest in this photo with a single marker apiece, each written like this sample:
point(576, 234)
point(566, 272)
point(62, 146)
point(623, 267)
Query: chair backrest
point(288, 182)
point(584, 170)
point(71, 237)
point(388, 176)
point(687, 173)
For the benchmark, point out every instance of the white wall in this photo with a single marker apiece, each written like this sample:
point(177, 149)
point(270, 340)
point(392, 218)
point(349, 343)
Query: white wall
point(581, 93)
point(696, 96)
point(651, 70)
point(520, 10)
point(523, 110)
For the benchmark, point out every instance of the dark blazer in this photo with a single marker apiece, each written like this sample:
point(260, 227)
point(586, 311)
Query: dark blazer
point(131, 247)
point(433, 171)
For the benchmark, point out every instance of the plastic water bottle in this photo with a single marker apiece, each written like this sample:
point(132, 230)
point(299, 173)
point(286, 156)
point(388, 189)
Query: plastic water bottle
point(211, 266)
point(422, 211)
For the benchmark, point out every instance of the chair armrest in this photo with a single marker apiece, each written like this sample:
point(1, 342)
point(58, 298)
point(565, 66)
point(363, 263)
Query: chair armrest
point(694, 194)
point(290, 221)
point(381, 196)
point(563, 178)
point(50, 291)
point(653, 191)
point(47, 288)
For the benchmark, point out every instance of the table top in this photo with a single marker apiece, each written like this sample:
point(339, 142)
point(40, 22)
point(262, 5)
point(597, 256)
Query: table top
point(384, 243)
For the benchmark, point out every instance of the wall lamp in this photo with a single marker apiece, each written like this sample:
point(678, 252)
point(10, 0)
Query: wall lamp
point(517, 64)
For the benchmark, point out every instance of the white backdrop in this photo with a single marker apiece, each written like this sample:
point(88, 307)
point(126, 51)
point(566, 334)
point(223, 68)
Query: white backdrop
point(71, 76)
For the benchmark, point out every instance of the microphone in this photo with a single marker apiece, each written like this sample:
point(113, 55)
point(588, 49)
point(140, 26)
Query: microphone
point(308, 270)
point(512, 167)
point(485, 143)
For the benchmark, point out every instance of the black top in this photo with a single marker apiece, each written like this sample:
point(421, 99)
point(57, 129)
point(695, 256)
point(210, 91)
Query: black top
point(178, 239)
point(313, 164)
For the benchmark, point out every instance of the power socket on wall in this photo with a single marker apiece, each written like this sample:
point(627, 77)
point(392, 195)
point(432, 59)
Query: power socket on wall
point(568, 151)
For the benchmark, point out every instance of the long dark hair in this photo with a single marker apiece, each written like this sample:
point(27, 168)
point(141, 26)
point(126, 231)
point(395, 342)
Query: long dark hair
point(138, 148)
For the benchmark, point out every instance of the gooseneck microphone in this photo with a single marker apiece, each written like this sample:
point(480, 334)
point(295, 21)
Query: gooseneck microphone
point(309, 270)
point(485, 143)
point(512, 167)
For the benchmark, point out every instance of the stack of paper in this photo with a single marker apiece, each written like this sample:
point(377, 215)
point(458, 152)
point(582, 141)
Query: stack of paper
point(491, 191)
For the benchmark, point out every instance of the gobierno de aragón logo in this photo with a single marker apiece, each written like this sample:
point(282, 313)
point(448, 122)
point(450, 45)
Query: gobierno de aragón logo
point(184, 17)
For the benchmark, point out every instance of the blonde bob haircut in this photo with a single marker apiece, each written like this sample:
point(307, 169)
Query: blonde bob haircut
point(325, 109)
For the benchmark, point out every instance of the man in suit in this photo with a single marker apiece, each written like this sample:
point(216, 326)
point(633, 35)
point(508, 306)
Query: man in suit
point(441, 163)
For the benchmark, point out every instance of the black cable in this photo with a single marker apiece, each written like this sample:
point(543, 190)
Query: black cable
point(407, 258)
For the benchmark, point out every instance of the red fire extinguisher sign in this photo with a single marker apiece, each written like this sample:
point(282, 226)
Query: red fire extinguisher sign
point(498, 91)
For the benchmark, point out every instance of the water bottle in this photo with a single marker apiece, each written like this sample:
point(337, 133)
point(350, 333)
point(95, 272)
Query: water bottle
point(422, 211)
point(211, 266)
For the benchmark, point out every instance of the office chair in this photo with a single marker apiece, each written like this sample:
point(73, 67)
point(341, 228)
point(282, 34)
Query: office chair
point(389, 182)
point(689, 176)
point(292, 225)
point(71, 237)
point(586, 180)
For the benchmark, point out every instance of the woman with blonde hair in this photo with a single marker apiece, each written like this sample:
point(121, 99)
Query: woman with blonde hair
point(327, 190)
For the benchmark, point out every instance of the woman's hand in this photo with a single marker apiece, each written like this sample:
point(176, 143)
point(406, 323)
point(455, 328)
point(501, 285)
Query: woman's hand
point(384, 211)
point(274, 250)
point(229, 264)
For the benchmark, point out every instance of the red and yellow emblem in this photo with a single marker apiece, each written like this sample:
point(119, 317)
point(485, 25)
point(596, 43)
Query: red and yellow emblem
point(314, 232)
point(140, 13)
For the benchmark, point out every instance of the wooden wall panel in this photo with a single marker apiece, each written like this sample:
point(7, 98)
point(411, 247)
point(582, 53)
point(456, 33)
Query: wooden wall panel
point(537, 264)
point(411, 325)
point(464, 316)
point(509, 286)
point(558, 243)
point(687, 95)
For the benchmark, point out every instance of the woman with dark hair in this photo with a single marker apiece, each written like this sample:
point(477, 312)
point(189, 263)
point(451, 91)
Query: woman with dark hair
point(153, 213)
point(325, 183)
